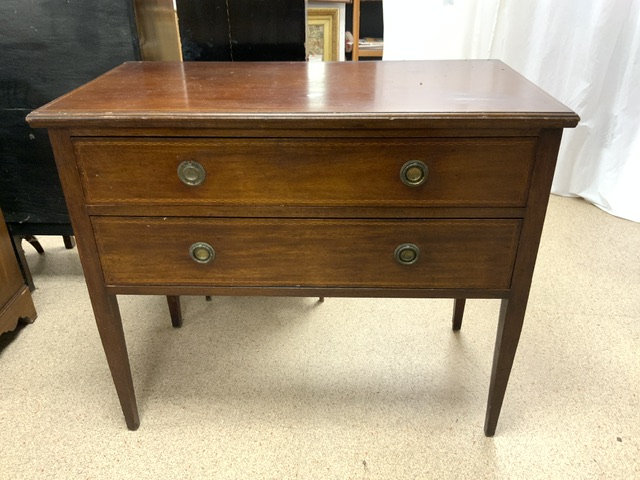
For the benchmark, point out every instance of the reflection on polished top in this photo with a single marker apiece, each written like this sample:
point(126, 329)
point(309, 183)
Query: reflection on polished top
point(161, 92)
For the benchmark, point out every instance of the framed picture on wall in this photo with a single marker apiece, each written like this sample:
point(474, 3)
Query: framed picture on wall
point(322, 34)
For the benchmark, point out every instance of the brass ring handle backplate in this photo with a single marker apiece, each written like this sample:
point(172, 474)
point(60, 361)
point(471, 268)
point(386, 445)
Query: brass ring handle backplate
point(202, 252)
point(191, 173)
point(407, 254)
point(414, 173)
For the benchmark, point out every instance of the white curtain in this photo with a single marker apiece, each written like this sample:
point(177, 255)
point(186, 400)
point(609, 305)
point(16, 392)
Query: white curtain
point(586, 53)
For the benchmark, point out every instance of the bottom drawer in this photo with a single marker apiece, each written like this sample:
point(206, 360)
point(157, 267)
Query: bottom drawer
point(314, 253)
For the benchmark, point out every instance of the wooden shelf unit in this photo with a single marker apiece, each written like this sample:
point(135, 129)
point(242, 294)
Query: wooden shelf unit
point(356, 52)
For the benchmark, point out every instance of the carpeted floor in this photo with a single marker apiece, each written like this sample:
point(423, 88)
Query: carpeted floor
point(284, 388)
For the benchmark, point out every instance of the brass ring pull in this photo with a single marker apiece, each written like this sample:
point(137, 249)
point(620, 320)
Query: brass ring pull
point(191, 173)
point(414, 173)
point(202, 252)
point(407, 254)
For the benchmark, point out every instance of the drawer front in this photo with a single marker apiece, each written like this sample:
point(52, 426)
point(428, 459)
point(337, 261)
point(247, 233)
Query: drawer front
point(315, 253)
point(306, 172)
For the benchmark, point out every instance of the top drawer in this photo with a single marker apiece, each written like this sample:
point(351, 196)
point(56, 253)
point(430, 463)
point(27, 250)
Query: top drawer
point(307, 172)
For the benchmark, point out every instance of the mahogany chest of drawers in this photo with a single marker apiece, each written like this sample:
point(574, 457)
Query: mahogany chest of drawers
point(380, 179)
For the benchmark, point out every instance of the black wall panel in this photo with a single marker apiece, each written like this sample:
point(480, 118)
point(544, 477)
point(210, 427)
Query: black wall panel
point(48, 47)
point(242, 30)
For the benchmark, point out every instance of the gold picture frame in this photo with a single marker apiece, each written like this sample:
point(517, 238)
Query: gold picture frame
point(322, 34)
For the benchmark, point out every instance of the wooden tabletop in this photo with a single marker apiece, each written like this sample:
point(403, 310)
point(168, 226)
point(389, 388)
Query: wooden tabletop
point(463, 92)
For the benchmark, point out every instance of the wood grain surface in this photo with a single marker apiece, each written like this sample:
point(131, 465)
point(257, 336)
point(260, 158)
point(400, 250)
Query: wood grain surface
point(322, 253)
point(464, 93)
point(311, 172)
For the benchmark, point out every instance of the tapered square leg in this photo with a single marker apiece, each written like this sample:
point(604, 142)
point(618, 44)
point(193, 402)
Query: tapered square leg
point(509, 329)
point(109, 324)
point(175, 310)
point(458, 312)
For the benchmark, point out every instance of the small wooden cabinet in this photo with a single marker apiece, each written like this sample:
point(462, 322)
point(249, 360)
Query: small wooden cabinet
point(364, 179)
point(15, 299)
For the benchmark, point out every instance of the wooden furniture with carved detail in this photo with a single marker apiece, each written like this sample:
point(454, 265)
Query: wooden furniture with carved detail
point(15, 298)
point(364, 179)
